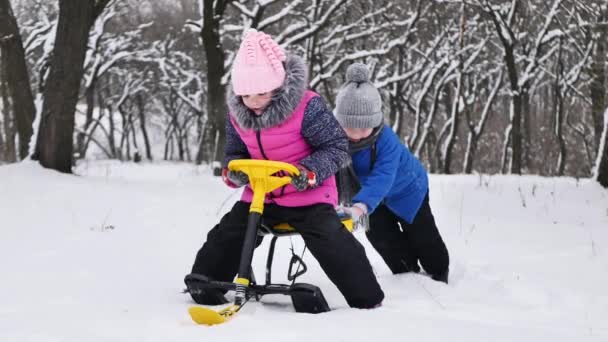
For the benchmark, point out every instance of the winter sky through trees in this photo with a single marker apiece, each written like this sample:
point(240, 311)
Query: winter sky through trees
point(484, 86)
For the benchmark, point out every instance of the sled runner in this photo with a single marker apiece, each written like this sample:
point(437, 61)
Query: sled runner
point(264, 177)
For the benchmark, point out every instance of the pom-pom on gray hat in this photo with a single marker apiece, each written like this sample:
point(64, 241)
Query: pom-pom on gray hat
point(358, 104)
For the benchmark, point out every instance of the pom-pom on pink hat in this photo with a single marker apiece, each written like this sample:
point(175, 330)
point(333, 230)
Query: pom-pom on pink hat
point(258, 65)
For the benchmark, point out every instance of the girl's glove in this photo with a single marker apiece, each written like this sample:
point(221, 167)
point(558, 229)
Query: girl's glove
point(234, 179)
point(306, 179)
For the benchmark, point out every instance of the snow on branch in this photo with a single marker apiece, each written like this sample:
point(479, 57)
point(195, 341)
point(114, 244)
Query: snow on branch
point(173, 71)
point(552, 35)
point(279, 15)
point(244, 10)
point(486, 109)
point(265, 3)
point(343, 31)
point(38, 36)
point(340, 29)
point(400, 77)
point(335, 61)
point(335, 66)
point(503, 27)
point(541, 40)
point(316, 26)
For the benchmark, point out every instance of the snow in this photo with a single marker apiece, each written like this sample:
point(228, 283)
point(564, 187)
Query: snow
point(101, 257)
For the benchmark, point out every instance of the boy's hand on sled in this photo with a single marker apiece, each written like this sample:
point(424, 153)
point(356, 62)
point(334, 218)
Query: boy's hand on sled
point(358, 213)
point(306, 179)
point(234, 179)
point(357, 210)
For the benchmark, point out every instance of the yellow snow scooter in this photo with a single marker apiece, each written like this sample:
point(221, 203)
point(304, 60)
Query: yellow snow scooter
point(264, 177)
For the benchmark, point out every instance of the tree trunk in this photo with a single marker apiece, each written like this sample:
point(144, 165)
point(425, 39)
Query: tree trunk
point(111, 129)
point(128, 128)
point(124, 134)
point(598, 81)
point(136, 153)
point(430, 151)
point(473, 137)
point(454, 123)
point(3, 113)
point(515, 108)
point(561, 159)
point(505, 151)
point(471, 151)
point(187, 146)
point(19, 91)
point(54, 147)
point(601, 168)
point(456, 110)
point(96, 123)
point(559, 114)
point(418, 144)
point(475, 131)
point(514, 112)
point(526, 131)
point(80, 138)
point(169, 134)
point(8, 152)
point(516, 150)
point(216, 105)
point(180, 145)
point(2, 145)
point(142, 124)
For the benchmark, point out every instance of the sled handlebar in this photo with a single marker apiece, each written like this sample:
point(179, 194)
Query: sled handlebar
point(263, 178)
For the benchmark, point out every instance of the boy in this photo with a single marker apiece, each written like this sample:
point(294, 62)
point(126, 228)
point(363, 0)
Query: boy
point(393, 183)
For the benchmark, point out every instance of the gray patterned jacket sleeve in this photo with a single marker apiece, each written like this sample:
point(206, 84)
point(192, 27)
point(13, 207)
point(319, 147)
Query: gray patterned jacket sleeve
point(322, 131)
point(235, 148)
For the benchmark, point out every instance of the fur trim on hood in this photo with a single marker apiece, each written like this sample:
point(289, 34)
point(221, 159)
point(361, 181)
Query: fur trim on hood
point(284, 100)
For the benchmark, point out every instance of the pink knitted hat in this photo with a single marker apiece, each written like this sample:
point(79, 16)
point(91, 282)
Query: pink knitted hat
point(258, 66)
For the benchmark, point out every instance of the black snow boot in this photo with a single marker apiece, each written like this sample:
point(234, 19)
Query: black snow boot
point(201, 294)
point(442, 277)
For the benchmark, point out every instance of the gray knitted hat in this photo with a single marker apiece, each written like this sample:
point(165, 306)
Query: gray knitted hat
point(358, 104)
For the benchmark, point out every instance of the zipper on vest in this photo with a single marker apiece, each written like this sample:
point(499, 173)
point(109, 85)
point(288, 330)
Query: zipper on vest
point(258, 136)
point(271, 194)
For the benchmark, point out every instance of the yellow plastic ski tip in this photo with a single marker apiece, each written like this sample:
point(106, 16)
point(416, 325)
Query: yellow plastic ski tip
point(206, 316)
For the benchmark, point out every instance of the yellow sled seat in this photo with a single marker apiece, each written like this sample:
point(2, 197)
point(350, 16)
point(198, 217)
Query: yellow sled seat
point(285, 229)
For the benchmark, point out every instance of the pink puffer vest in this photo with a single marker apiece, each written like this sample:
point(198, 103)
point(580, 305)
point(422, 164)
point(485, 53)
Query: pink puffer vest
point(285, 143)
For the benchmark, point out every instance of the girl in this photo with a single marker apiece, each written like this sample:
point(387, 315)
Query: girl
point(273, 116)
point(393, 183)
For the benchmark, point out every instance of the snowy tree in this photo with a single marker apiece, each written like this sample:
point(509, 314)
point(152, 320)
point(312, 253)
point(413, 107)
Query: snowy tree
point(510, 25)
point(18, 102)
point(596, 26)
point(212, 13)
point(326, 32)
point(460, 79)
point(182, 103)
point(107, 52)
point(54, 144)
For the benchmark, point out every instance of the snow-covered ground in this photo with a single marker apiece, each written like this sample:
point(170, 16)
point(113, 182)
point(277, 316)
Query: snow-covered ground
point(101, 257)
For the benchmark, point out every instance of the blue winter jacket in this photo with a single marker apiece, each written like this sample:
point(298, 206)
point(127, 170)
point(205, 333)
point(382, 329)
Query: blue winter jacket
point(397, 180)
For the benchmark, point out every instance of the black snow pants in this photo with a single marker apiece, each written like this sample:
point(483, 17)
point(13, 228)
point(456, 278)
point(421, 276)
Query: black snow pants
point(338, 252)
point(402, 244)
